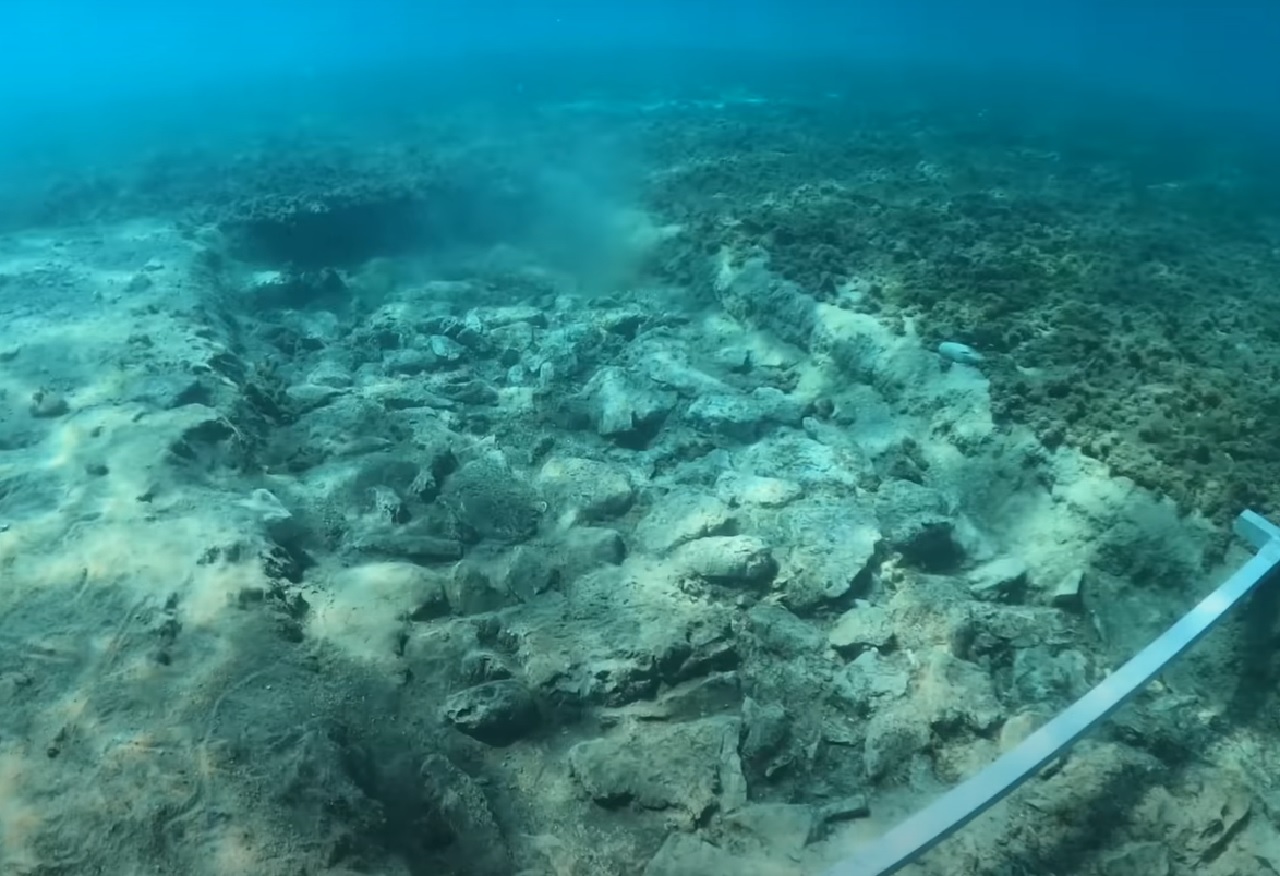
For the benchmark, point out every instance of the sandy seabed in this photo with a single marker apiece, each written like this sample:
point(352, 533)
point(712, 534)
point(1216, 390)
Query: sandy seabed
point(645, 536)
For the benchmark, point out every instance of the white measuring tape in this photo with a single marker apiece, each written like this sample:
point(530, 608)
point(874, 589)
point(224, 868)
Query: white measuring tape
point(956, 808)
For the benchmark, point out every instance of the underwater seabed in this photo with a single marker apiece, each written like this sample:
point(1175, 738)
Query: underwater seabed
point(325, 553)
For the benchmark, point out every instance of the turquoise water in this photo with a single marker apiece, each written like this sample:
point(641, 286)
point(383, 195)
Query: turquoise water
point(578, 438)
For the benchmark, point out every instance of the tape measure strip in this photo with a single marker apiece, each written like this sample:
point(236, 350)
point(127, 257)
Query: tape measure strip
point(909, 840)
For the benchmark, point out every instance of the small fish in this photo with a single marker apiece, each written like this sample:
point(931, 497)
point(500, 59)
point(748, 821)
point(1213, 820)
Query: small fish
point(954, 351)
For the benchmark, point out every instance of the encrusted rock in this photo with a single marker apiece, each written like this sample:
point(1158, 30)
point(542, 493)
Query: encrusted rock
point(408, 363)
point(585, 489)
point(47, 404)
point(688, 767)
point(623, 410)
point(804, 461)
point(894, 735)
point(404, 544)
point(918, 522)
point(493, 502)
point(472, 589)
point(860, 628)
point(747, 489)
point(744, 417)
point(833, 547)
point(871, 679)
point(1002, 580)
point(458, 820)
point(682, 516)
point(495, 713)
point(731, 560)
